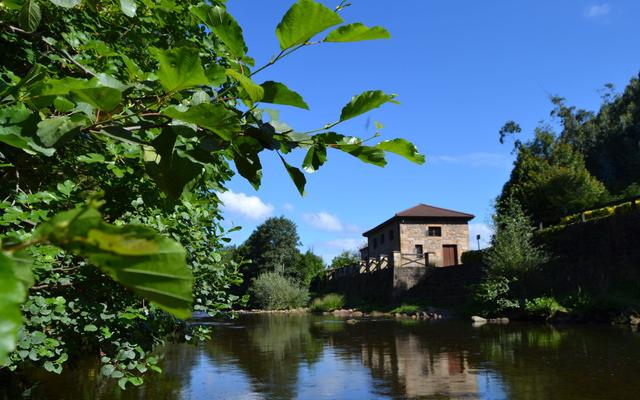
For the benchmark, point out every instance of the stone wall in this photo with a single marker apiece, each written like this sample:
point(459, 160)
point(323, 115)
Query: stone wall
point(373, 288)
point(389, 245)
point(413, 234)
point(597, 257)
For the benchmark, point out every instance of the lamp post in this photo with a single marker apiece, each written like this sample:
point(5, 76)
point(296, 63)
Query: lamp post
point(478, 239)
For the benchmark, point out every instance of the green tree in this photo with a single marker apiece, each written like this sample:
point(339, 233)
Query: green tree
point(345, 259)
point(271, 247)
point(513, 252)
point(549, 178)
point(310, 266)
point(139, 108)
point(609, 138)
point(510, 260)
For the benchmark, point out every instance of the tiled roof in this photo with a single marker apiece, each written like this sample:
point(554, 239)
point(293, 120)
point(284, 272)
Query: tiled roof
point(425, 211)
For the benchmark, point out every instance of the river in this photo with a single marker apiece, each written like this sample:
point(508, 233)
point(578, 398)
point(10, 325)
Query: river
point(313, 357)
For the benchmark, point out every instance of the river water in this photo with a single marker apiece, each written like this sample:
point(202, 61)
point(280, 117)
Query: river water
point(312, 357)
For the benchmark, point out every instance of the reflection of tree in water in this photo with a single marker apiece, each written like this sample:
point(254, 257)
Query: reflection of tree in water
point(581, 362)
point(270, 350)
point(83, 380)
point(423, 360)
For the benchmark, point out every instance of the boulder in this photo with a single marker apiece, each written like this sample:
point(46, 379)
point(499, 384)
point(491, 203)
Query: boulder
point(476, 318)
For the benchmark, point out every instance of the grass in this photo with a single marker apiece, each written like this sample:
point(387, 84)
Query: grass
point(328, 302)
point(406, 309)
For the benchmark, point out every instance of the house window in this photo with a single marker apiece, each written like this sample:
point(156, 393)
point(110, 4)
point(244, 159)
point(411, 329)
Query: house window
point(391, 235)
point(382, 238)
point(434, 231)
point(375, 242)
point(419, 251)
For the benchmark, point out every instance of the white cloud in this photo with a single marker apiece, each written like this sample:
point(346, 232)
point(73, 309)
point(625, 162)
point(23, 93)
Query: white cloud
point(474, 159)
point(251, 207)
point(485, 231)
point(597, 10)
point(352, 228)
point(323, 221)
point(287, 207)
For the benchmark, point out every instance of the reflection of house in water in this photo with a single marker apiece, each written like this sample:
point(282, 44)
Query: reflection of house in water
point(417, 372)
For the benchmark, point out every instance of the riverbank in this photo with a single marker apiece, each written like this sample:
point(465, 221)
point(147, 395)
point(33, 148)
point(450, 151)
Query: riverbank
point(410, 311)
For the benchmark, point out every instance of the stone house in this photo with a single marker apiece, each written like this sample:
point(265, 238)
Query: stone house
point(423, 235)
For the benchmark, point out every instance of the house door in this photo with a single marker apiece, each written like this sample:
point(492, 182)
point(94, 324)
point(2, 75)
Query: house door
point(449, 255)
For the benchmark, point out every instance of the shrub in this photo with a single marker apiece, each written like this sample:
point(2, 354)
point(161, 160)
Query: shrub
point(472, 257)
point(272, 291)
point(542, 307)
point(513, 252)
point(329, 302)
point(492, 296)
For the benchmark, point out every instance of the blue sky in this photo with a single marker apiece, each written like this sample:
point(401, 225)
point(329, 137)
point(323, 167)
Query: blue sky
point(460, 70)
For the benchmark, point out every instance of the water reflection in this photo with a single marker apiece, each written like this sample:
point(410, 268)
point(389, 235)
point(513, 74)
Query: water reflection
point(307, 357)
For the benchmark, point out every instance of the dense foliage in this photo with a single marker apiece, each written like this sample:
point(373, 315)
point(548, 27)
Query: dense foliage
point(273, 247)
point(594, 158)
point(328, 302)
point(137, 108)
point(273, 291)
point(345, 259)
point(511, 259)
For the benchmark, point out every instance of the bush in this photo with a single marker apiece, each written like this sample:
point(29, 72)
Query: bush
point(272, 291)
point(492, 296)
point(542, 307)
point(513, 252)
point(327, 303)
point(472, 257)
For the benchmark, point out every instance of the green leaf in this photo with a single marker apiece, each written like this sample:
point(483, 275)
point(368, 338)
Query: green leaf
point(246, 159)
point(91, 158)
point(128, 7)
point(216, 74)
point(104, 98)
point(135, 380)
point(224, 26)
point(278, 93)
point(403, 148)
point(304, 20)
point(296, 176)
point(365, 102)
point(214, 117)
point(357, 32)
point(35, 74)
point(29, 18)
point(122, 382)
point(17, 125)
point(51, 130)
point(180, 68)
point(136, 256)
point(316, 156)
point(169, 170)
point(12, 293)
point(66, 3)
point(353, 146)
point(254, 90)
point(107, 369)
point(23, 270)
point(90, 328)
